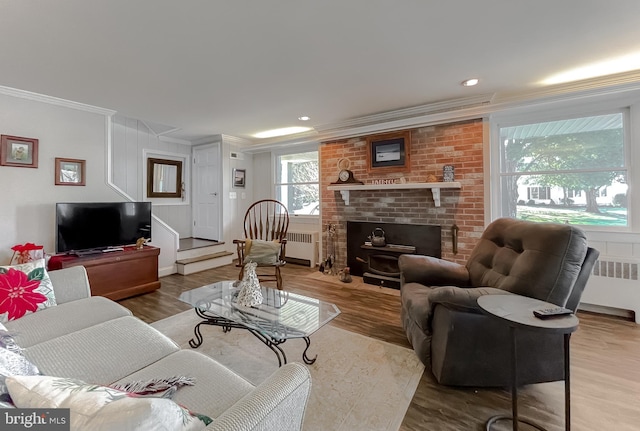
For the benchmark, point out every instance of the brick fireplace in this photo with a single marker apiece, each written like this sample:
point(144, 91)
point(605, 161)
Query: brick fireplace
point(379, 264)
point(459, 144)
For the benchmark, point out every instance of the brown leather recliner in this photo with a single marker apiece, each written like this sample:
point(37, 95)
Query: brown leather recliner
point(463, 346)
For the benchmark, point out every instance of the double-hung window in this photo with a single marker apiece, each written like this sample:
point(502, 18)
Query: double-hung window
point(298, 182)
point(570, 170)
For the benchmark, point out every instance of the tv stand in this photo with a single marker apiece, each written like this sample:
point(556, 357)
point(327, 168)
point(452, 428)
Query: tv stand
point(118, 274)
point(84, 253)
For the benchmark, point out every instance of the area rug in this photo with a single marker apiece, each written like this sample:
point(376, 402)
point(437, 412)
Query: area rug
point(358, 383)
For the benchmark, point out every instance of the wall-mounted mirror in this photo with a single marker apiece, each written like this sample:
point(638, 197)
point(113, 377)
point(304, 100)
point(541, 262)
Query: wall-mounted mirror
point(164, 178)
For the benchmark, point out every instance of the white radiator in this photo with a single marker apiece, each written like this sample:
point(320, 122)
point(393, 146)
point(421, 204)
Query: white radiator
point(302, 247)
point(614, 284)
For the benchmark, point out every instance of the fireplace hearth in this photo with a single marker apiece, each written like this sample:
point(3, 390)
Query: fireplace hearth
point(379, 265)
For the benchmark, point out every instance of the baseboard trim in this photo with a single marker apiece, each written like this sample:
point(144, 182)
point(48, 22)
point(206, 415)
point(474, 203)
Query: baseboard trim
point(168, 270)
point(611, 311)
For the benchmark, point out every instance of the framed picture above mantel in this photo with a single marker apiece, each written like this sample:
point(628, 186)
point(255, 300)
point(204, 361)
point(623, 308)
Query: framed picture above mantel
point(389, 152)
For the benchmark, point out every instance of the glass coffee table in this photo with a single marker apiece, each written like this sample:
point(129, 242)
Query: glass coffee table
point(281, 316)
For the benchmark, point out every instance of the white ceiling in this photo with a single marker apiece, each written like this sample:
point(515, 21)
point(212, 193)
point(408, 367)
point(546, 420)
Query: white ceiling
point(238, 67)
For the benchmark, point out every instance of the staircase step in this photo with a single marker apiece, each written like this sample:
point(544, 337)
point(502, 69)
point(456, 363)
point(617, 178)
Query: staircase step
point(200, 263)
point(204, 257)
point(200, 251)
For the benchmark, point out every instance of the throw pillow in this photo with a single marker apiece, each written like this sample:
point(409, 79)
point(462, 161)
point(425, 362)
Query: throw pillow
point(262, 252)
point(13, 364)
point(24, 288)
point(100, 408)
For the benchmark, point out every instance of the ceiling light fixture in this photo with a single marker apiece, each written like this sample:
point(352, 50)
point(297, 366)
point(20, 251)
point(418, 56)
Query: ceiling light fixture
point(304, 118)
point(281, 132)
point(470, 82)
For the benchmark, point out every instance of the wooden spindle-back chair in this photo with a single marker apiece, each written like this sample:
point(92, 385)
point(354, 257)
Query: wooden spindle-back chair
point(266, 220)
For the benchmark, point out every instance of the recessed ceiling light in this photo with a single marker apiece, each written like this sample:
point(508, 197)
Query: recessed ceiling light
point(304, 118)
point(470, 82)
point(281, 132)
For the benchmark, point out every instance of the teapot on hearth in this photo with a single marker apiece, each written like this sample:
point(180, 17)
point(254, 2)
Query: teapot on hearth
point(377, 238)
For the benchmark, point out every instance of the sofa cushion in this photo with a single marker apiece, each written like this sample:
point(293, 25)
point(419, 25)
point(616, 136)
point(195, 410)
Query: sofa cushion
point(24, 288)
point(216, 387)
point(100, 408)
point(63, 319)
point(102, 353)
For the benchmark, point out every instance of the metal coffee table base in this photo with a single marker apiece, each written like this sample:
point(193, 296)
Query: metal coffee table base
point(226, 325)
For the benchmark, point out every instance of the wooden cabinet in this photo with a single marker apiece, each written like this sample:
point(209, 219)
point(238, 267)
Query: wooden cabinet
point(117, 274)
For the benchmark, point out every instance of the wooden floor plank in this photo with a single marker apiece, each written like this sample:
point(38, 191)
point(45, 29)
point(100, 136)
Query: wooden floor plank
point(605, 357)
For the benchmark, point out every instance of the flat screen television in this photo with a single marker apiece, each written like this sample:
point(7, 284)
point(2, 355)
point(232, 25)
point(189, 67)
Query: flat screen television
point(88, 226)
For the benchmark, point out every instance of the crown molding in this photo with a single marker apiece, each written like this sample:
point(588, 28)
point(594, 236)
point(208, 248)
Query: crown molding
point(234, 140)
point(405, 114)
point(54, 101)
point(207, 140)
point(306, 138)
point(171, 140)
point(601, 86)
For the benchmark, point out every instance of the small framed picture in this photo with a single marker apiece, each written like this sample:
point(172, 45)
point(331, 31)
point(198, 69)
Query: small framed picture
point(70, 172)
point(17, 151)
point(239, 177)
point(448, 173)
point(389, 152)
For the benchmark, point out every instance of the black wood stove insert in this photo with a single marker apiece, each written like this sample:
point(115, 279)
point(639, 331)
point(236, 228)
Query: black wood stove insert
point(379, 265)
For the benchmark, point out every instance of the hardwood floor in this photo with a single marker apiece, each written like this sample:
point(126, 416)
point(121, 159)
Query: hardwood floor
point(605, 362)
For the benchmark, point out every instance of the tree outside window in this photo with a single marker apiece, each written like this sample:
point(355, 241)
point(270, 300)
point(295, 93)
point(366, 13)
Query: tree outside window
point(570, 171)
point(297, 182)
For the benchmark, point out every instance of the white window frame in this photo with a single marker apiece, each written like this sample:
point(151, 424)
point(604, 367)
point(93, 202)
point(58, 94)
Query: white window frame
point(545, 112)
point(296, 150)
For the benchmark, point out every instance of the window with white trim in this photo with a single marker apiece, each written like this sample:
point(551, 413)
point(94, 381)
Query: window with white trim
point(298, 182)
point(569, 170)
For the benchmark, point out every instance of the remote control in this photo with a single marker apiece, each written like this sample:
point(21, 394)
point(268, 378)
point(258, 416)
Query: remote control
point(547, 313)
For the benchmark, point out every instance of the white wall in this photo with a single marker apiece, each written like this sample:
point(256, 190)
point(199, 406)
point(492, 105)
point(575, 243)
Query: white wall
point(263, 166)
point(27, 208)
point(131, 138)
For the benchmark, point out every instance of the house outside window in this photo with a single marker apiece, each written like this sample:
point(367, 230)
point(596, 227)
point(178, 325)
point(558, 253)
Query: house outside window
point(538, 193)
point(298, 182)
point(570, 170)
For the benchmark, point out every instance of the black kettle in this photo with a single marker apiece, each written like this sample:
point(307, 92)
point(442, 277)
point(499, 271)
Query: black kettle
point(377, 238)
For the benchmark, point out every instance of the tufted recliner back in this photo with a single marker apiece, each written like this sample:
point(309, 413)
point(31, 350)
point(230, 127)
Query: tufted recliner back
point(539, 260)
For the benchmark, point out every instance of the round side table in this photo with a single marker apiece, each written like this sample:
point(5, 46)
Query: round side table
point(517, 312)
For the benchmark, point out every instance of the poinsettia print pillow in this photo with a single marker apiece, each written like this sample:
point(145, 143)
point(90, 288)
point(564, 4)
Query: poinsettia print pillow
point(24, 289)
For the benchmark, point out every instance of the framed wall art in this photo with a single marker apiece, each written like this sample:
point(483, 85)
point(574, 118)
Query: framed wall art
point(70, 172)
point(17, 151)
point(389, 152)
point(239, 177)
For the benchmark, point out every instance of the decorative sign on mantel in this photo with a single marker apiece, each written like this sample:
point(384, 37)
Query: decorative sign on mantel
point(401, 180)
point(385, 181)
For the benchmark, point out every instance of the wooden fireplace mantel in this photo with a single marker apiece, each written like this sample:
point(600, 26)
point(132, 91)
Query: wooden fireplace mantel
point(345, 189)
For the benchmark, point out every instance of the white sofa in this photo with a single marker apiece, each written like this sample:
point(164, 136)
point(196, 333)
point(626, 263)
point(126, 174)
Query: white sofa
point(98, 341)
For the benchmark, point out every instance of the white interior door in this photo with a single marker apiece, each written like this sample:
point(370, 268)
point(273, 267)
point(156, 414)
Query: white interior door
point(206, 192)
